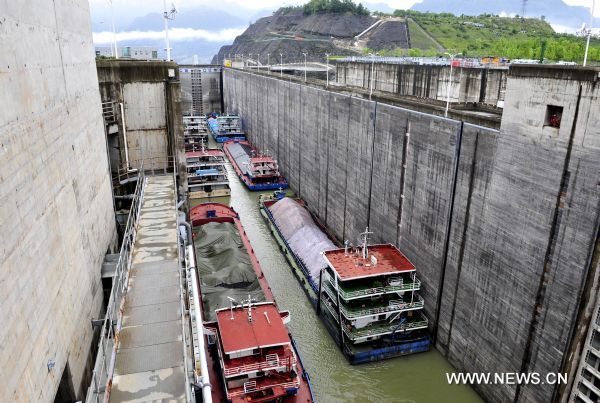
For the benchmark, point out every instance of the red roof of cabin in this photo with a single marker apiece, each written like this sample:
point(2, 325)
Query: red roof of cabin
point(240, 334)
point(389, 261)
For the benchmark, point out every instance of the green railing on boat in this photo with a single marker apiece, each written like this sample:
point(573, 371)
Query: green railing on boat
point(393, 306)
point(351, 313)
point(347, 293)
point(374, 330)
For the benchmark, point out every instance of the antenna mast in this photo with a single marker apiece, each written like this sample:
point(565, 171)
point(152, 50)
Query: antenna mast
point(365, 243)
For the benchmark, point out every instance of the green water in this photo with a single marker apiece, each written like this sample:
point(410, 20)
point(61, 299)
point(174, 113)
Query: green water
point(416, 378)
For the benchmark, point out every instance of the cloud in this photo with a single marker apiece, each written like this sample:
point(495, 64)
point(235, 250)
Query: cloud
point(175, 34)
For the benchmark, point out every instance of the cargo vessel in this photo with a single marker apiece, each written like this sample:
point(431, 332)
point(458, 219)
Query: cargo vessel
point(257, 171)
point(226, 127)
point(366, 296)
point(207, 173)
point(248, 345)
point(195, 132)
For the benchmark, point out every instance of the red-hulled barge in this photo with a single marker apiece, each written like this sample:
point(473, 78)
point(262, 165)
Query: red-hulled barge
point(257, 171)
point(248, 346)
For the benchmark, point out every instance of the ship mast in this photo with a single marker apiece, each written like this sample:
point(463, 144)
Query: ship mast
point(365, 243)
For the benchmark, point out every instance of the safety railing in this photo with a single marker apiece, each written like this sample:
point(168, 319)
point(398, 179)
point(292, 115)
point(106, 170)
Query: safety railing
point(252, 387)
point(259, 366)
point(364, 292)
point(150, 166)
point(381, 329)
point(102, 374)
point(393, 306)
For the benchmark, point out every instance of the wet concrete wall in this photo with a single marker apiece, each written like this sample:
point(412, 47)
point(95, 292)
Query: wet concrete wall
point(467, 85)
point(56, 210)
point(500, 224)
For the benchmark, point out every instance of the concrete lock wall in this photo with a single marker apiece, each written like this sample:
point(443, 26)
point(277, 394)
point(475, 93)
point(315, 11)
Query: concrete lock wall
point(503, 290)
point(56, 214)
point(467, 85)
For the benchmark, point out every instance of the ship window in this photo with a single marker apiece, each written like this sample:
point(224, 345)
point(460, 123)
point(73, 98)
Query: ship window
point(553, 116)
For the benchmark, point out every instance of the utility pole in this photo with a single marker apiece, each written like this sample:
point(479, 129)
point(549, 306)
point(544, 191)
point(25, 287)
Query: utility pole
point(168, 15)
point(327, 61)
point(304, 66)
point(281, 58)
point(268, 63)
point(452, 56)
point(372, 75)
point(115, 52)
point(589, 33)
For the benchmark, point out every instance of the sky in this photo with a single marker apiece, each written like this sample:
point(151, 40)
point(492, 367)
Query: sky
point(252, 4)
point(154, 5)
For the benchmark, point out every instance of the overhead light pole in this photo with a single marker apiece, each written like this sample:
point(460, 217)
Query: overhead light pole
point(589, 33)
point(268, 63)
point(304, 66)
point(281, 59)
point(327, 63)
point(372, 74)
point(258, 62)
point(114, 52)
point(452, 56)
point(168, 15)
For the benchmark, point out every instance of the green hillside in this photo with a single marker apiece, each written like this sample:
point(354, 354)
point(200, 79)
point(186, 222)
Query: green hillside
point(486, 35)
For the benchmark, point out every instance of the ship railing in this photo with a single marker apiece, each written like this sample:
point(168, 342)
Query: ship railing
point(271, 361)
point(375, 330)
point(99, 388)
point(406, 286)
point(331, 310)
point(329, 289)
point(255, 388)
point(393, 306)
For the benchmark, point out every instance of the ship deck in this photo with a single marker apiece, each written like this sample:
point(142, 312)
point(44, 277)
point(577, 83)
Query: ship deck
point(217, 212)
point(389, 260)
point(149, 361)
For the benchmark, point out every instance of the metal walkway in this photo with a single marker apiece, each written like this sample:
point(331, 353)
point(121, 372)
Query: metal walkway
point(150, 356)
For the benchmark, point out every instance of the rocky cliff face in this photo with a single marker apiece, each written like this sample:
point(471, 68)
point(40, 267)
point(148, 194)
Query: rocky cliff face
point(294, 33)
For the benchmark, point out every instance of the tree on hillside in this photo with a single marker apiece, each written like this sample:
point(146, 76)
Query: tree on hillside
point(334, 6)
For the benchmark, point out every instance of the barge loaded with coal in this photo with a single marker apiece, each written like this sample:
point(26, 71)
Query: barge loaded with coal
point(366, 295)
point(247, 344)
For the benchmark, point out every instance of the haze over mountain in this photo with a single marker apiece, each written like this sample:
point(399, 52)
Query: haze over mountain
point(217, 22)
